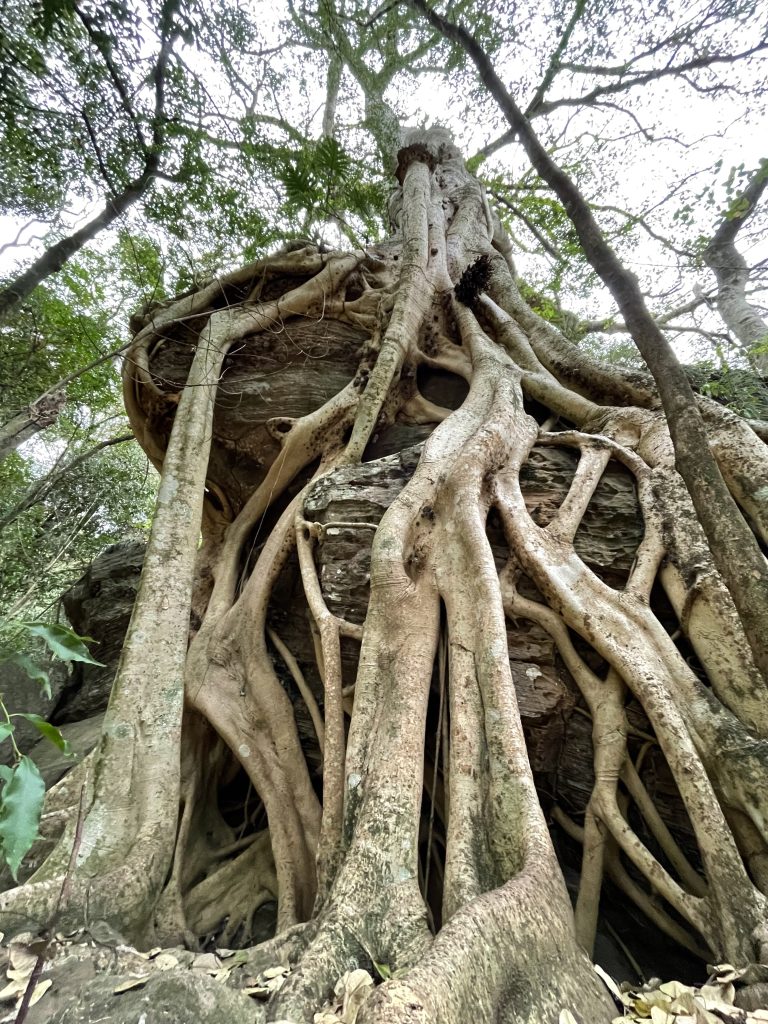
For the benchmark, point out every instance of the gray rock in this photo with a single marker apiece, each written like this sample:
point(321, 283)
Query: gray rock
point(169, 997)
point(99, 605)
point(22, 694)
point(82, 738)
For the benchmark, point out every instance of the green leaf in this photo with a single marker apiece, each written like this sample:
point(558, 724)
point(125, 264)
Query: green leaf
point(384, 971)
point(6, 772)
point(62, 642)
point(6, 728)
point(33, 671)
point(330, 159)
point(299, 187)
point(22, 803)
point(46, 729)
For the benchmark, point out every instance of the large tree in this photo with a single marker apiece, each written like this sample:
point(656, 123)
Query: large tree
point(421, 849)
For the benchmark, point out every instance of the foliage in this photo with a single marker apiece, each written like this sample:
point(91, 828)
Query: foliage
point(21, 797)
point(102, 501)
point(323, 183)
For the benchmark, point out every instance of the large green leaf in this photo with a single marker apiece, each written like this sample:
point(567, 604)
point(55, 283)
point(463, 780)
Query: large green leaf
point(46, 729)
point(20, 808)
point(299, 186)
point(330, 159)
point(62, 642)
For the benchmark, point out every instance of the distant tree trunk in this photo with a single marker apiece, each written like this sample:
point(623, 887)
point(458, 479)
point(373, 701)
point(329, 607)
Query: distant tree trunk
point(56, 255)
point(370, 775)
point(30, 421)
point(732, 274)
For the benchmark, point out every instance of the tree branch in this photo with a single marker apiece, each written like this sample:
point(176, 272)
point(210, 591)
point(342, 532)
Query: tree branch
point(42, 488)
point(54, 258)
point(546, 107)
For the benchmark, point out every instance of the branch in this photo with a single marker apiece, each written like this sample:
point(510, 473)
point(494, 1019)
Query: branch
point(42, 488)
point(36, 417)
point(54, 258)
point(98, 40)
point(554, 63)
point(540, 238)
point(694, 64)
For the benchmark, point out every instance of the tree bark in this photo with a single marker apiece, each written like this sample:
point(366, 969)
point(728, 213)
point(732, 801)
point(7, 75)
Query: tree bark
point(411, 842)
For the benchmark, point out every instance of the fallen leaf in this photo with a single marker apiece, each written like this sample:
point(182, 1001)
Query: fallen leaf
point(355, 986)
point(22, 958)
point(130, 983)
point(20, 976)
point(675, 989)
point(274, 972)
point(257, 991)
point(609, 983)
point(222, 974)
point(40, 991)
point(165, 961)
point(150, 953)
point(660, 1015)
point(15, 988)
point(725, 972)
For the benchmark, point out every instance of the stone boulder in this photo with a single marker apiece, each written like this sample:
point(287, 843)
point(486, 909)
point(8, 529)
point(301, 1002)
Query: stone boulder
point(99, 605)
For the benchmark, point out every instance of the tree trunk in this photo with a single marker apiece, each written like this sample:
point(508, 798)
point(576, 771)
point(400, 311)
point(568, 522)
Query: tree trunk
point(371, 775)
point(55, 256)
point(731, 273)
point(30, 421)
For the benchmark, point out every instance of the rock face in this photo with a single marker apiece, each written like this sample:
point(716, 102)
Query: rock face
point(172, 997)
point(99, 605)
point(22, 694)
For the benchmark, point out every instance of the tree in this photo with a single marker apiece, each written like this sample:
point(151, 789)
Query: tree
point(427, 856)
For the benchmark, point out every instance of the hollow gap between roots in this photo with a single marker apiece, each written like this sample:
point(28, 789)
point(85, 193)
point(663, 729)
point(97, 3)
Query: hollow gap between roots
point(627, 945)
point(251, 548)
point(434, 805)
point(444, 388)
